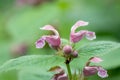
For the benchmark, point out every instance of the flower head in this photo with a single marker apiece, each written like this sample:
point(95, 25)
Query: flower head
point(91, 70)
point(77, 36)
point(53, 40)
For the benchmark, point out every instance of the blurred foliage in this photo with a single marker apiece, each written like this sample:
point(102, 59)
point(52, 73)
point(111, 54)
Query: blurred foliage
point(20, 24)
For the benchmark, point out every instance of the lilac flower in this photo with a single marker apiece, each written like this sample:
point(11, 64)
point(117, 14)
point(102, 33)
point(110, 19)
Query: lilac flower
point(91, 70)
point(77, 36)
point(53, 40)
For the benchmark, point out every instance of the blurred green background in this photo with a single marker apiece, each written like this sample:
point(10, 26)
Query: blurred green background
point(20, 21)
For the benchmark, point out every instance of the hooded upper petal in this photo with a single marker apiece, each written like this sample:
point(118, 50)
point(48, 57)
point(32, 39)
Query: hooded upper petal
point(77, 36)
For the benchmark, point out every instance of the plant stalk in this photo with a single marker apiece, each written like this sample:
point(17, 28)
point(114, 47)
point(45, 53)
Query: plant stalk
point(69, 71)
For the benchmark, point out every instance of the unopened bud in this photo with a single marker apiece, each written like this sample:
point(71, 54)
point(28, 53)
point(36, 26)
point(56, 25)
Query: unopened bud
point(67, 49)
point(74, 54)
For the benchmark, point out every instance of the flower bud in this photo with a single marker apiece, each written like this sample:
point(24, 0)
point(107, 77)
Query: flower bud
point(74, 54)
point(67, 49)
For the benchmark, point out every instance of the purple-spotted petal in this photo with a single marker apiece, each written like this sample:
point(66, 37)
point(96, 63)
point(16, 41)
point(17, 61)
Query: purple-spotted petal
point(40, 43)
point(90, 35)
point(102, 73)
point(96, 60)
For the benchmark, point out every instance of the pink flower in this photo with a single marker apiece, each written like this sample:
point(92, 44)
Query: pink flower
point(77, 36)
point(53, 40)
point(91, 70)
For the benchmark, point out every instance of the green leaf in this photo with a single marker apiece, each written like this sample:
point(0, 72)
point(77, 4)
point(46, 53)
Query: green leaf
point(98, 48)
point(113, 57)
point(34, 74)
point(41, 61)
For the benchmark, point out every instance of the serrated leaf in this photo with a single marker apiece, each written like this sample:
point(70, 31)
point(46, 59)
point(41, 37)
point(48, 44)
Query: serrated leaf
point(41, 61)
point(98, 48)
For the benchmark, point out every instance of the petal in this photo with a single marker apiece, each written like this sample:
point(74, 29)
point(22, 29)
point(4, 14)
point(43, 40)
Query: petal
point(90, 70)
point(58, 76)
point(102, 73)
point(63, 77)
point(90, 35)
point(50, 28)
point(53, 41)
point(96, 60)
point(78, 24)
point(40, 43)
point(75, 37)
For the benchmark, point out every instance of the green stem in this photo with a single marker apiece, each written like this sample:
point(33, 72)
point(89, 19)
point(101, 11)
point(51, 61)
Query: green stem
point(69, 71)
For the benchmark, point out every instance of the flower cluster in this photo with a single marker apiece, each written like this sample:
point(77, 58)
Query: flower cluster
point(68, 51)
point(54, 41)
